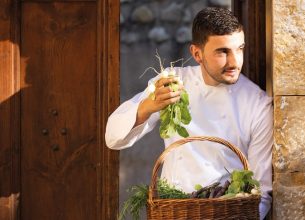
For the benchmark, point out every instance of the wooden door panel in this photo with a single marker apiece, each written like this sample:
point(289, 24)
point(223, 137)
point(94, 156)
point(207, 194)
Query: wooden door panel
point(9, 114)
point(59, 130)
point(252, 15)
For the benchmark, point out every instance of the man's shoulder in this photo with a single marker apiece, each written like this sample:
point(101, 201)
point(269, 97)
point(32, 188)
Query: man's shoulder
point(245, 85)
point(248, 90)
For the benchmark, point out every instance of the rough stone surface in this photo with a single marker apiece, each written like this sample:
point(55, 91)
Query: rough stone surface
point(220, 3)
point(289, 47)
point(289, 134)
point(289, 196)
point(198, 6)
point(184, 35)
point(158, 34)
point(142, 14)
point(172, 13)
point(187, 16)
point(130, 37)
point(289, 118)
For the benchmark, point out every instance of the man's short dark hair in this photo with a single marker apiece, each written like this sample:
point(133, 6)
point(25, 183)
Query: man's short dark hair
point(213, 21)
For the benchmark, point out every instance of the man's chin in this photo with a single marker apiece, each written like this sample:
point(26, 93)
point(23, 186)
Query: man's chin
point(231, 80)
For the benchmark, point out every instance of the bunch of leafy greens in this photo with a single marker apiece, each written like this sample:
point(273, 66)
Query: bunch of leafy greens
point(139, 197)
point(175, 115)
point(242, 181)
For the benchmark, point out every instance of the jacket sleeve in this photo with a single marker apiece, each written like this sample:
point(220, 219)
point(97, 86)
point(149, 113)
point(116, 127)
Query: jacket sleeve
point(120, 133)
point(260, 151)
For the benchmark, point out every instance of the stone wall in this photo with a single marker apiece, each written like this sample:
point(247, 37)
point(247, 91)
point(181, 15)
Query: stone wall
point(289, 103)
point(147, 25)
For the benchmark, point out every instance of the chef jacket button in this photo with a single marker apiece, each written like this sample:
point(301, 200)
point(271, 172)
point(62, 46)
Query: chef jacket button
point(196, 83)
point(230, 90)
point(223, 116)
point(180, 158)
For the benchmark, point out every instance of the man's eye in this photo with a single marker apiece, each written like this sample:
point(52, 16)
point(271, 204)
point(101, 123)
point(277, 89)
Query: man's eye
point(222, 51)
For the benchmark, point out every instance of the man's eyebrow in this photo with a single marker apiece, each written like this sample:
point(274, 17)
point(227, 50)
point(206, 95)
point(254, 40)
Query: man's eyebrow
point(221, 49)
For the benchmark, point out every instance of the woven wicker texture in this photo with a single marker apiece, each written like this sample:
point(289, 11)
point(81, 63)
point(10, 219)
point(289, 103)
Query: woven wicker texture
point(195, 209)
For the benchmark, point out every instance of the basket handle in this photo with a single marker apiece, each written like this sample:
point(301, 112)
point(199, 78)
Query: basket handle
point(160, 160)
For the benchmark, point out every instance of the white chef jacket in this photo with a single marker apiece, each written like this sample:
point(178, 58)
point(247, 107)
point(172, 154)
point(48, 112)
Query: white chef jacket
point(240, 113)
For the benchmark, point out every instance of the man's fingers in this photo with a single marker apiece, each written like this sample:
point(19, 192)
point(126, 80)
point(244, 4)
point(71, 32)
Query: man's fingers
point(162, 90)
point(169, 95)
point(165, 81)
point(171, 101)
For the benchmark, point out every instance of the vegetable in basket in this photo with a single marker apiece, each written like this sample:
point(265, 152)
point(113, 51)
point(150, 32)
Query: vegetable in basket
point(139, 197)
point(241, 185)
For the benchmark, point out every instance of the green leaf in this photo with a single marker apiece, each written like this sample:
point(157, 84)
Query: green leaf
point(185, 115)
point(177, 115)
point(236, 187)
point(165, 116)
point(198, 187)
point(236, 175)
point(168, 131)
point(174, 115)
point(182, 131)
point(254, 182)
point(184, 97)
point(174, 87)
point(228, 196)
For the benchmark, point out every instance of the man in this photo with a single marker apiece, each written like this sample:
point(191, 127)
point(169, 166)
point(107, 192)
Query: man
point(223, 103)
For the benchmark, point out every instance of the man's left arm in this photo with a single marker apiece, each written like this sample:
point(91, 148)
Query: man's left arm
point(260, 151)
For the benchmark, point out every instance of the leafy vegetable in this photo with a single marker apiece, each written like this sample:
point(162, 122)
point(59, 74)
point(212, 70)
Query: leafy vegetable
point(139, 197)
point(135, 202)
point(241, 185)
point(242, 181)
point(174, 116)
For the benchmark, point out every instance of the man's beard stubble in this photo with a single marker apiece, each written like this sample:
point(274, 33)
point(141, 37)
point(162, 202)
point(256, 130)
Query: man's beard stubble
point(218, 79)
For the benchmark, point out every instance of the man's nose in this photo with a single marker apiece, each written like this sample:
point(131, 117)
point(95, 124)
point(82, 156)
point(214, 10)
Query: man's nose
point(233, 59)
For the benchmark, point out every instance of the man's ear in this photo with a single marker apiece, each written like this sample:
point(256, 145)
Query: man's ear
point(196, 53)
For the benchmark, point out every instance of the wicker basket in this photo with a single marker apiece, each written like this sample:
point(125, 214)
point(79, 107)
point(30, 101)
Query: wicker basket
point(195, 208)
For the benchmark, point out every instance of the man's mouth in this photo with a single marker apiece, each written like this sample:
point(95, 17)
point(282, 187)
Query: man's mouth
point(230, 72)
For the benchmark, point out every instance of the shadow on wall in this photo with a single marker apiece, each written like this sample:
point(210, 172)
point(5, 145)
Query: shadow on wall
point(147, 26)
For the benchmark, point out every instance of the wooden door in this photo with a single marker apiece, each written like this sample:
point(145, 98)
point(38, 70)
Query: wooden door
point(58, 85)
point(252, 14)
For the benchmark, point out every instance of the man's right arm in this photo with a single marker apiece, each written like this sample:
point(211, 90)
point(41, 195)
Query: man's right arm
point(138, 116)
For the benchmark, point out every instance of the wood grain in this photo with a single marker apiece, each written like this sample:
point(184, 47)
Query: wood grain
point(9, 112)
point(59, 42)
point(109, 99)
point(68, 70)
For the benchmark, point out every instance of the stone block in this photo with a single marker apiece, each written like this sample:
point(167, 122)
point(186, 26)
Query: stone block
point(143, 14)
point(289, 134)
point(289, 47)
point(289, 196)
point(198, 6)
point(172, 13)
point(184, 34)
point(158, 34)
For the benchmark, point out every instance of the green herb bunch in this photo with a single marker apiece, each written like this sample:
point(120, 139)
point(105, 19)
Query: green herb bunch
point(139, 196)
point(174, 116)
